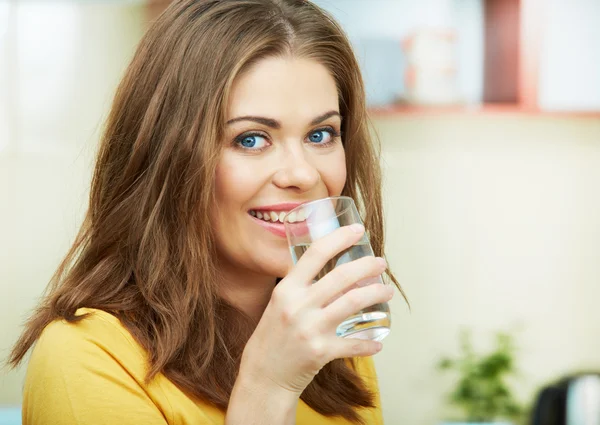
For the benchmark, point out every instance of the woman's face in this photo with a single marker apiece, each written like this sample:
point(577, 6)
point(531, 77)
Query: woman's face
point(282, 147)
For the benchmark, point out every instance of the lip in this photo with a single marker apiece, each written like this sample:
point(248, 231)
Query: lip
point(284, 206)
point(278, 228)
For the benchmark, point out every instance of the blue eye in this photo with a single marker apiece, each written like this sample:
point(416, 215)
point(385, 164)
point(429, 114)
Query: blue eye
point(321, 137)
point(251, 141)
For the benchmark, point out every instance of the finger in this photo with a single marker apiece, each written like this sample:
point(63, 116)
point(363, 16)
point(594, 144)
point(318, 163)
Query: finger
point(345, 277)
point(355, 300)
point(349, 347)
point(323, 250)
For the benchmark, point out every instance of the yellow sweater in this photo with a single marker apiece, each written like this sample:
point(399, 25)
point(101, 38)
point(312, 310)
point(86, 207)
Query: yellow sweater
point(92, 373)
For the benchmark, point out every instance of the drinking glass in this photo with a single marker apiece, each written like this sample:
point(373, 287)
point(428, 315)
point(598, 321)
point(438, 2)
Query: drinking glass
point(310, 221)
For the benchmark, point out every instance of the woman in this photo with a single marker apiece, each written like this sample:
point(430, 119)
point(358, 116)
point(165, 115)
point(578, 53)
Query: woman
point(165, 310)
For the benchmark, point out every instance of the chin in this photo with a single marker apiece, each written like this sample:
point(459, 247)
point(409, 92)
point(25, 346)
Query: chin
point(278, 267)
point(278, 271)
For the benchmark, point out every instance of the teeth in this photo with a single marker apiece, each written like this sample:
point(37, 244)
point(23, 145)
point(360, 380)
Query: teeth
point(291, 217)
point(279, 216)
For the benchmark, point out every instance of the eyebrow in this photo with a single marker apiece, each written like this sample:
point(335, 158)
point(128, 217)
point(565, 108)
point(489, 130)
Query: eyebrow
point(270, 122)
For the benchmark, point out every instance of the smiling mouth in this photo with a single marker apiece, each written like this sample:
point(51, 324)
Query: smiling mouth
point(278, 216)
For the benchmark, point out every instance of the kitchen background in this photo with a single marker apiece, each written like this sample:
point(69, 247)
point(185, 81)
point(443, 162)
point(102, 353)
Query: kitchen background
point(488, 113)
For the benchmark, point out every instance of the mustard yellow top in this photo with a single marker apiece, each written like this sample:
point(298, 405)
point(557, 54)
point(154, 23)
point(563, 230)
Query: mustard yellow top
point(92, 373)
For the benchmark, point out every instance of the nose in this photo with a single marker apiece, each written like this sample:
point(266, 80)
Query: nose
point(296, 172)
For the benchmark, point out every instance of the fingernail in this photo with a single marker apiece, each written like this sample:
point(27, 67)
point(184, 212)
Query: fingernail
point(357, 228)
point(378, 346)
point(382, 262)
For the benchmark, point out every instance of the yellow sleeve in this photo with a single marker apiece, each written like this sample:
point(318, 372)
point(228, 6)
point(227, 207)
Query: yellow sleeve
point(79, 374)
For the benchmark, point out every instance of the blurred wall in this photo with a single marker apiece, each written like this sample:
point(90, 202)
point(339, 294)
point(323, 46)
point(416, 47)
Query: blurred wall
point(60, 63)
point(492, 224)
point(570, 56)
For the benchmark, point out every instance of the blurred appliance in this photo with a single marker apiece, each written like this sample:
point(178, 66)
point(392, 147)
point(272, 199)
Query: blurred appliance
point(431, 75)
point(574, 400)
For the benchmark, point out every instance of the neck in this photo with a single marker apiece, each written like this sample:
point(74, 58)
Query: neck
point(248, 291)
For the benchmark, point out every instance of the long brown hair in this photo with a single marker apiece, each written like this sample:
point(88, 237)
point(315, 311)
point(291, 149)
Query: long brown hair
point(145, 251)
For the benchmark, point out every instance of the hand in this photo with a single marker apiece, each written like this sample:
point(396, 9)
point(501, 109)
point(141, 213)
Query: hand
point(296, 335)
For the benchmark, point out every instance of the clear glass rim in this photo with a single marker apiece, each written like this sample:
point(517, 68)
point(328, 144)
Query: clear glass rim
point(329, 198)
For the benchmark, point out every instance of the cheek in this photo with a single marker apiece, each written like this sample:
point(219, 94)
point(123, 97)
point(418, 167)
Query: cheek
point(234, 182)
point(233, 190)
point(333, 173)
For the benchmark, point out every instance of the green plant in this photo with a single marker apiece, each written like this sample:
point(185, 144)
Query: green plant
point(481, 391)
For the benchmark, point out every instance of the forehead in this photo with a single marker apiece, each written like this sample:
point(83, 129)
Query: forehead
point(283, 88)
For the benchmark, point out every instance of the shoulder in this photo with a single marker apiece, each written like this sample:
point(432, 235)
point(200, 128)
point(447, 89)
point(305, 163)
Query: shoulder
point(92, 322)
point(98, 338)
point(363, 366)
point(96, 326)
point(90, 371)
